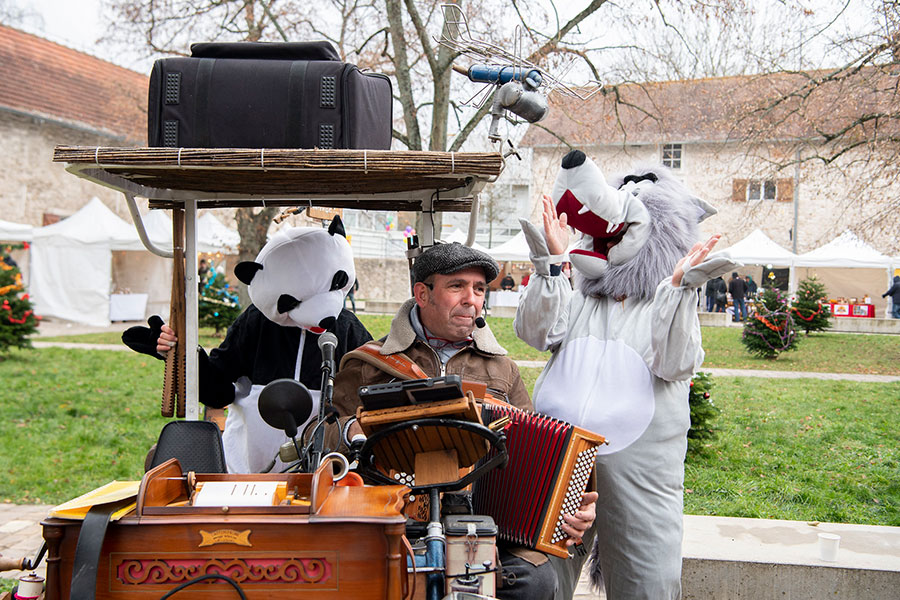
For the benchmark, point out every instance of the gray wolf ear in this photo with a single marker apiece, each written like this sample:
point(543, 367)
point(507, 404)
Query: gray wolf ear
point(704, 208)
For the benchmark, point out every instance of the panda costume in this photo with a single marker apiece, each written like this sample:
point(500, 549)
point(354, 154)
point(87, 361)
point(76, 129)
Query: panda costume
point(297, 286)
point(625, 345)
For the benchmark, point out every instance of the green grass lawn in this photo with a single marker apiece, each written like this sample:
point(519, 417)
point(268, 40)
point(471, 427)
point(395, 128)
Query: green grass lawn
point(818, 352)
point(823, 352)
point(71, 420)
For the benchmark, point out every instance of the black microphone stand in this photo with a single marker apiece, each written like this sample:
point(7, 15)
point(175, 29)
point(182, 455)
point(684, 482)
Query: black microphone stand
point(326, 399)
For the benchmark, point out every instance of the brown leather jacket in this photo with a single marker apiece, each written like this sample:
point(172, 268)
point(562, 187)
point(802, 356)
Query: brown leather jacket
point(484, 361)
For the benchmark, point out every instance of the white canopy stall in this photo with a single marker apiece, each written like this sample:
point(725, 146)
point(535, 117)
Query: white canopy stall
point(513, 249)
point(459, 237)
point(15, 232)
point(758, 250)
point(72, 264)
point(849, 268)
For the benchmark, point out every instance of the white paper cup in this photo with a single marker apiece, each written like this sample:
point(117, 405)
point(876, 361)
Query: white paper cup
point(828, 546)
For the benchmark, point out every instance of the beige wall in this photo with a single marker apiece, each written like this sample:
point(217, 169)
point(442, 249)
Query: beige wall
point(831, 199)
point(31, 184)
point(383, 279)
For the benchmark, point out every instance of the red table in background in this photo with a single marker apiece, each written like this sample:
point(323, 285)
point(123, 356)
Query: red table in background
point(839, 309)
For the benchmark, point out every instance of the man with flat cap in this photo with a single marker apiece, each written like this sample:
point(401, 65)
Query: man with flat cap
point(441, 330)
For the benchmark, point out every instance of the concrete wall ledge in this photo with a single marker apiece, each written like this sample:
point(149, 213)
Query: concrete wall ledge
point(708, 319)
point(731, 558)
point(838, 324)
point(387, 307)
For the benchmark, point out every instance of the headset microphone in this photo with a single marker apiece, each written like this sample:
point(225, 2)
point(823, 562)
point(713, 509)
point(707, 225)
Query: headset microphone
point(479, 322)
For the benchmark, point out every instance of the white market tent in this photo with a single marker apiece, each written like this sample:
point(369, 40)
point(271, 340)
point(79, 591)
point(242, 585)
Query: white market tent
point(513, 249)
point(71, 263)
point(77, 262)
point(846, 250)
point(758, 249)
point(458, 236)
point(213, 236)
point(849, 268)
point(15, 232)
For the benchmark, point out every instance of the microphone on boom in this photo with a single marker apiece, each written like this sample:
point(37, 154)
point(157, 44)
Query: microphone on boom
point(479, 322)
point(327, 344)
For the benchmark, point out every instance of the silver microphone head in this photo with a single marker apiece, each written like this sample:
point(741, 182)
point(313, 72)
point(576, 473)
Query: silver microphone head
point(327, 339)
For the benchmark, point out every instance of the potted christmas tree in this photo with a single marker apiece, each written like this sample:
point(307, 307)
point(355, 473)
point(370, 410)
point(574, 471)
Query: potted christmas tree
point(808, 310)
point(770, 331)
point(703, 411)
point(218, 305)
point(17, 318)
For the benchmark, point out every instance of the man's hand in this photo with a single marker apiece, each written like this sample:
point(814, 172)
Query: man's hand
point(693, 258)
point(575, 525)
point(166, 340)
point(556, 230)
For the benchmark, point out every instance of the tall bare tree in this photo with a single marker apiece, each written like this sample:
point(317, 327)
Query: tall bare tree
point(393, 36)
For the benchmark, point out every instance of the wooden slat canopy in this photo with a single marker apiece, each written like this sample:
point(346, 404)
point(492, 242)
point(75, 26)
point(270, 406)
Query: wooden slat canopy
point(223, 177)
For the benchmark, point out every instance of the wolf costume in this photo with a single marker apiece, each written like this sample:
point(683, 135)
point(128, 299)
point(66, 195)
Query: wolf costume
point(625, 345)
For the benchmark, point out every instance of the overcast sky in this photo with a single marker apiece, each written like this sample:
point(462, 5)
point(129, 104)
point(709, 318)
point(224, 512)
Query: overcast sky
point(79, 25)
point(76, 24)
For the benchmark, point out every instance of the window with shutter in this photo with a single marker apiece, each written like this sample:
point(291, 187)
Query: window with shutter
point(785, 190)
point(739, 190)
point(757, 190)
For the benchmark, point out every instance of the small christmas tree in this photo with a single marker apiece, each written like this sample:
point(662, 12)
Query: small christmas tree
point(771, 330)
point(809, 314)
point(17, 318)
point(703, 411)
point(218, 305)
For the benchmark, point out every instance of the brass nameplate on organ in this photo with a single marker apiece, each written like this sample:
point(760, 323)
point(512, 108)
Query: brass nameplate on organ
point(225, 536)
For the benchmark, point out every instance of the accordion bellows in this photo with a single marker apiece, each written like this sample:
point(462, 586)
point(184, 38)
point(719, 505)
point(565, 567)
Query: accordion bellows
point(549, 467)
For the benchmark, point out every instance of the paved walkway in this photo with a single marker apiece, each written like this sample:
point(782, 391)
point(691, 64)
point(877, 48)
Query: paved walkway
point(768, 374)
point(56, 329)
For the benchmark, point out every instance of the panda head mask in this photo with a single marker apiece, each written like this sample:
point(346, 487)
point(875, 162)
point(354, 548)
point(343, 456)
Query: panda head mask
point(300, 277)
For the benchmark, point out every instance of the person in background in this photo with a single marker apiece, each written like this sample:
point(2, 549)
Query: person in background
point(202, 273)
point(525, 278)
point(352, 295)
point(737, 287)
point(751, 287)
point(720, 293)
point(894, 293)
point(711, 286)
point(507, 283)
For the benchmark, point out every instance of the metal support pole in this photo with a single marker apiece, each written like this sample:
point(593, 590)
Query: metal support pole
point(426, 236)
point(792, 284)
point(141, 230)
point(191, 314)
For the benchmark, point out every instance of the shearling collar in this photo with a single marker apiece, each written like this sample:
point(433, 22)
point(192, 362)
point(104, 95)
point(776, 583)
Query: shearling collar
point(402, 335)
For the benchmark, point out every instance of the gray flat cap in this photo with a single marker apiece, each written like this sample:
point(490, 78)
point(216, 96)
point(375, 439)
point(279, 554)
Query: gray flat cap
point(450, 258)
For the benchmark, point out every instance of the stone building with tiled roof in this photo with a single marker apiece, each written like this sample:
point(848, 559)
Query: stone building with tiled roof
point(727, 137)
point(51, 95)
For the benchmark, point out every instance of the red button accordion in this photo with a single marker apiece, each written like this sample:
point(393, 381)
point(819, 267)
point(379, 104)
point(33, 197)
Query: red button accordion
point(550, 464)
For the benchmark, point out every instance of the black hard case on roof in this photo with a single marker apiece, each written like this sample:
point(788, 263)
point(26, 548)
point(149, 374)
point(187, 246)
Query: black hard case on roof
point(267, 95)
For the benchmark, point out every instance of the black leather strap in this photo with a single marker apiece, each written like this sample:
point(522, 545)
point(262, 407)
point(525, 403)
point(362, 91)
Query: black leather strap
point(201, 102)
point(87, 551)
point(295, 133)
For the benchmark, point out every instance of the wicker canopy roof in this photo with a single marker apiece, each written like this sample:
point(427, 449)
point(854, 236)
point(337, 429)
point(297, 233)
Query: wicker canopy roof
point(229, 177)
